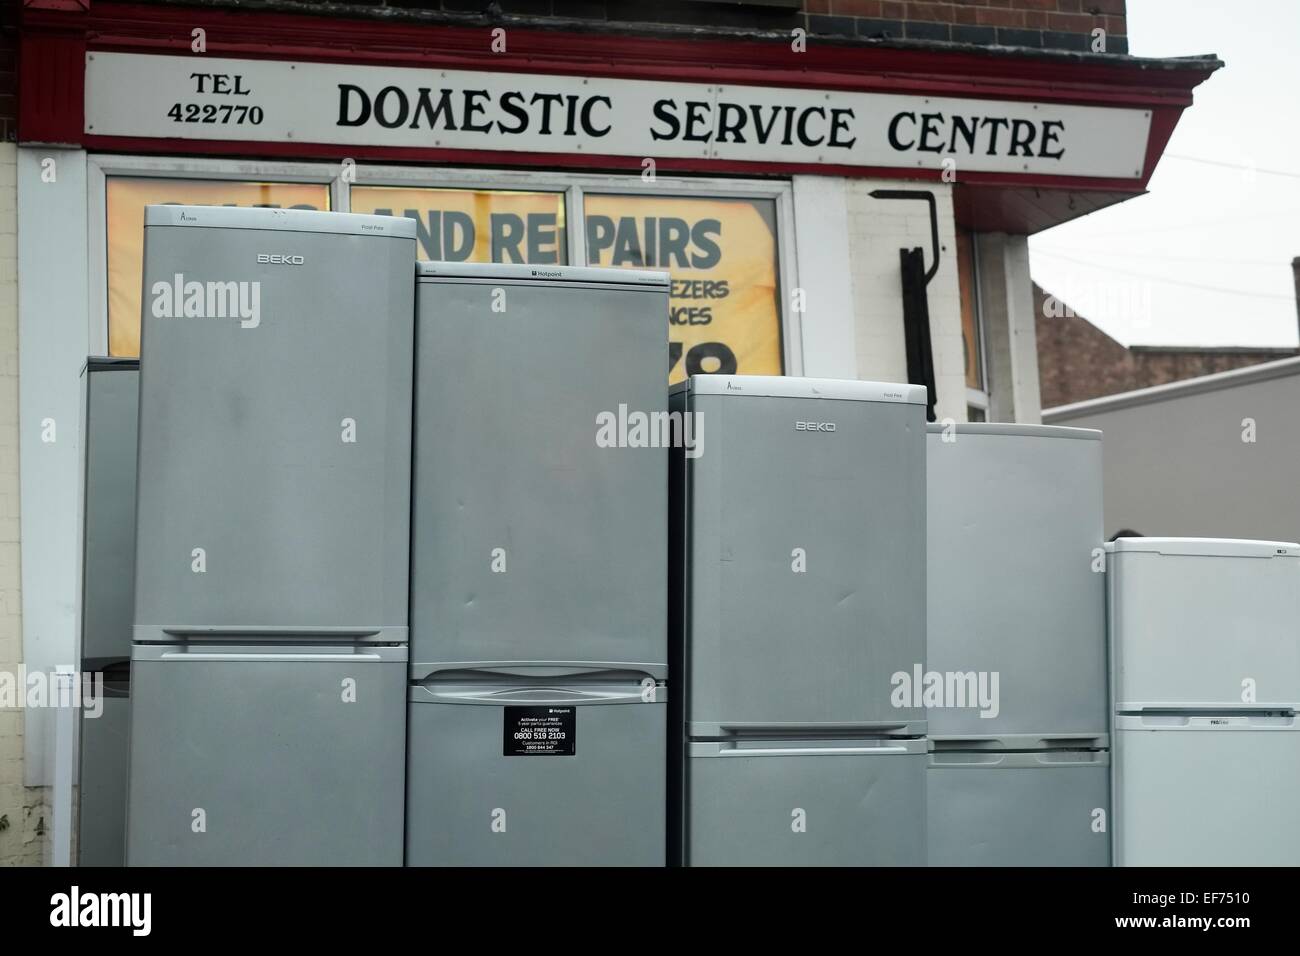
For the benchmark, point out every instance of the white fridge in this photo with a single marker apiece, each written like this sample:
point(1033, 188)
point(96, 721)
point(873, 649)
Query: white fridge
point(1205, 646)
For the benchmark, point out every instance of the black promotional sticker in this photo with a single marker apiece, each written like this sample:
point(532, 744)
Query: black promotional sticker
point(540, 732)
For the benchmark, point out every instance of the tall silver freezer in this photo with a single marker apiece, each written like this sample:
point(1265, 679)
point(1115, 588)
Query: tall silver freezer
point(110, 393)
point(538, 621)
point(798, 593)
point(1017, 606)
point(272, 538)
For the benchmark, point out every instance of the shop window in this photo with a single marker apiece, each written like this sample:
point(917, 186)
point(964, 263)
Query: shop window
point(476, 225)
point(970, 321)
point(125, 199)
point(722, 254)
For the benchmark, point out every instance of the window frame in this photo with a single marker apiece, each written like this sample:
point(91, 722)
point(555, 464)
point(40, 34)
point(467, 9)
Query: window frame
point(574, 186)
point(98, 170)
point(977, 397)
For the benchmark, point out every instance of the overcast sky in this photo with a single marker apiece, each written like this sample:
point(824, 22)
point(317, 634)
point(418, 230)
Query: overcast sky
point(1205, 257)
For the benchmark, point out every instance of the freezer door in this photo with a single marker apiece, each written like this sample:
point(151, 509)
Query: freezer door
point(266, 756)
point(805, 803)
point(1015, 583)
point(101, 817)
point(570, 774)
point(804, 561)
point(543, 545)
point(275, 451)
point(112, 388)
point(1049, 808)
point(1194, 631)
point(1207, 790)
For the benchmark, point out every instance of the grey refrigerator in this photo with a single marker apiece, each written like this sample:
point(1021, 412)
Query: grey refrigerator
point(537, 703)
point(798, 596)
point(1020, 764)
point(271, 614)
point(110, 391)
point(1205, 645)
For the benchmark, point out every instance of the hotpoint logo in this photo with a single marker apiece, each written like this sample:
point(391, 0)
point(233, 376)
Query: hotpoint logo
point(544, 274)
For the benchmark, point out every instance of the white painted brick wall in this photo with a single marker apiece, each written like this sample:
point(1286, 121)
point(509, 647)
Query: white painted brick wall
point(878, 228)
point(22, 813)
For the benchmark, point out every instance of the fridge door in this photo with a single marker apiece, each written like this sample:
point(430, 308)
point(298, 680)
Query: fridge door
point(1044, 808)
point(1014, 577)
point(1201, 624)
point(105, 729)
point(266, 755)
point(559, 771)
point(275, 451)
point(804, 558)
point(800, 802)
point(1207, 790)
point(112, 388)
point(545, 544)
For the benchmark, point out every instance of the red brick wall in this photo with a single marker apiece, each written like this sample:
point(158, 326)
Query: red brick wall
point(1049, 24)
point(1046, 24)
point(1077, 361)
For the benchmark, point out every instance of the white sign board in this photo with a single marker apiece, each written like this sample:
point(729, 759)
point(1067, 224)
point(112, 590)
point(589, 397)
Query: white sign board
point(208, 98)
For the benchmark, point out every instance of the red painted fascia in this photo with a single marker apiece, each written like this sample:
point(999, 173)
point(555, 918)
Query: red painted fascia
point(59, 39)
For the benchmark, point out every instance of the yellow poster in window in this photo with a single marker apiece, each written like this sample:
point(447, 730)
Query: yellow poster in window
point(724, 314)
point(475, 225)
point(126, 198)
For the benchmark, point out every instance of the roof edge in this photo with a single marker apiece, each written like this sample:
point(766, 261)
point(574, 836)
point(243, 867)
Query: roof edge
point(1265, 371)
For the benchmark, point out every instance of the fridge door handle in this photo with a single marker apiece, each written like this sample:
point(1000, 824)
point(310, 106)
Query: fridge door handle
point(528, 696)
point(273, 632)
point(265, 658)
point(740, 730)
point(1025, 760)
point(557, 671)
point(821, 749)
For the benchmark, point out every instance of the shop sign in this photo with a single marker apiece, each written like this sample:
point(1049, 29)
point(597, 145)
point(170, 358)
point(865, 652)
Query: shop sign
point(208, 98)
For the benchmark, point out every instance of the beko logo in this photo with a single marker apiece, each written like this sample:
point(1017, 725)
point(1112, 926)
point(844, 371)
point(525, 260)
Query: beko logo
point(814, 426)
point(275, 259)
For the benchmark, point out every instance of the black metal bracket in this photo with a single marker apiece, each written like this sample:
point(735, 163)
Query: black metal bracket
point(927, 196)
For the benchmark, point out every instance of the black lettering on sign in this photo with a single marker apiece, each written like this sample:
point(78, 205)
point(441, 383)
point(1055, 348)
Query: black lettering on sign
point(663, 242)
point(507, 231)
point(700, 289)
point(443, 236)
point(690, 314)
point(968, 135)
point(674, 355)
point(714, 353)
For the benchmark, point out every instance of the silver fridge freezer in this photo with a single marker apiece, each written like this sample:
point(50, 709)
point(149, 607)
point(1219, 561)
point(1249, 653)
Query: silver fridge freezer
point(798, 593)
point(1206, 654)
point(110, 392)
point(1017, 606)
point(537, 705)
point(272, 538)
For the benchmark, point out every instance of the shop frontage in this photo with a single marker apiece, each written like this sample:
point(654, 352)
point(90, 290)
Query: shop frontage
point(776, 177)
